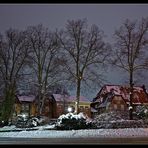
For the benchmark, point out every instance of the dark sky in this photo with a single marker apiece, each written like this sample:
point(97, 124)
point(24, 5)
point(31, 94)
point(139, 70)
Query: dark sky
point(107, 16)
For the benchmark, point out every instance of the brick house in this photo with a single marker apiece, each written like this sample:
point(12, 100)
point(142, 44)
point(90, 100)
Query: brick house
point(25, 104)
point(54, 105)
point(116, 97)
point(65, 101)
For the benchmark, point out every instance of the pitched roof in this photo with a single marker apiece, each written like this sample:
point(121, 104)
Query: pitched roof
point(23, 98)
point(82, 99)
point(139, 95)
point(59, 97)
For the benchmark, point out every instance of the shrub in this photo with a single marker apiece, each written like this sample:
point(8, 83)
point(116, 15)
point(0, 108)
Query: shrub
point(21, 120)
point(72, 121)
point(37, 121)
point(3, 123)
point(26, 121)
point(142, 112)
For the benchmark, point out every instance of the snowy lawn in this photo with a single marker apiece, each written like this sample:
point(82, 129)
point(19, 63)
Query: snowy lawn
point(49, 131)
point(78, 133)
point(14, 128)
point(44, 132)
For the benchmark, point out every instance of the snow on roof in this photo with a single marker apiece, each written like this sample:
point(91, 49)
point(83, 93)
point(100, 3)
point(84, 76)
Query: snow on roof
point(59, 97)
point(82, 99)
point(139, 95)
point(29, 98)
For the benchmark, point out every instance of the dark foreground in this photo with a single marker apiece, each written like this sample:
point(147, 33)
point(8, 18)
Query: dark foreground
point(69, 141)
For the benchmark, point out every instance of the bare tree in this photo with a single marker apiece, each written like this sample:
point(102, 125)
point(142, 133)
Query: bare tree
point(45, 63)
point(131, 50)
point(83, 49)
point(13, 54)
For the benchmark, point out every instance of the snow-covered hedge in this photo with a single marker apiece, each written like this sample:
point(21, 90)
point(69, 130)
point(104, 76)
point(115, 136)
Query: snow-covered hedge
point(142, 112)
point(121, 124)
point(118, 119)
point(73, 121)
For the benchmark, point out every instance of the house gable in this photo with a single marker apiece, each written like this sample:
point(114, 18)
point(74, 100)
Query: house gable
point(139, 95)
point(117, 103)
point(120, 98)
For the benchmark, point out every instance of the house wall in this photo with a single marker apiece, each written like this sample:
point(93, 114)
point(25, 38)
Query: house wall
point(53, 109)
point(61, 108)
point(117, 103)
point(18, 109)
point(33, 109)
point(49, 108)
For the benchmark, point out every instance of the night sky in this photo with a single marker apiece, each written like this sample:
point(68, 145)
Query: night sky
point(107, 16)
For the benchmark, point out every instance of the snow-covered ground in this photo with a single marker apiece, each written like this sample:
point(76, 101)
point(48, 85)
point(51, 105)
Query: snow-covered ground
point(14, 128)
point(49, 132)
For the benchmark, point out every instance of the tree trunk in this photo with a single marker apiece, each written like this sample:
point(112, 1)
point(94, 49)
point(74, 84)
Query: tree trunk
point(42, 102)
point(8, 104)
point(131, 97)
point(78, 96)
point(39, 101)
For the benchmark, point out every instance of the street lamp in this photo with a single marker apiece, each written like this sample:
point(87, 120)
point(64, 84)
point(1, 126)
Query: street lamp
point(69, 109)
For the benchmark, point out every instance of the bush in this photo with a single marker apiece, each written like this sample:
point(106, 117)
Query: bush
point(3, 123)
point(72, 121)
point(118, 119)
point(26, 121)
point(21, 120)
point(121, 124)
point(142, 112)
point(37, 121)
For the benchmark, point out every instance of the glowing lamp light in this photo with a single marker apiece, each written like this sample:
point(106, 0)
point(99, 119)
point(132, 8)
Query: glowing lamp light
point(23, 115)
point(69, 109)
point(130, 108)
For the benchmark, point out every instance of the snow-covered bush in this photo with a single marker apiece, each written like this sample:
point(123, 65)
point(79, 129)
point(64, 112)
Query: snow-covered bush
point(73, 121)
point(32, 122)
point(24, 121)
point(21, 120)
point(142, 112)
point(37, 121)
point(112, 116)
point(118, 119)
point(121, 124)
point(3, 123)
